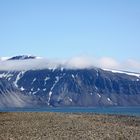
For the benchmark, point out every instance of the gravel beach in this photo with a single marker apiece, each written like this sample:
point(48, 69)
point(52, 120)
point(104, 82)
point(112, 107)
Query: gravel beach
point(68, 126)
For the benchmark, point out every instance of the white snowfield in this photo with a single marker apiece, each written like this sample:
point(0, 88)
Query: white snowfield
point(128, 73)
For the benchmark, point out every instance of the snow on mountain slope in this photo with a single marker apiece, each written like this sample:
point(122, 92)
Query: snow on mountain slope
point(124, 72)
point(56, 85)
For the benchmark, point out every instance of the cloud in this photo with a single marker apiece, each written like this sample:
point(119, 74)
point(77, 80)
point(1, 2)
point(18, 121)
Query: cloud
point(78, 62)
point(107, 62)
point(127, 65)
point(133, 65)
point(27, 64)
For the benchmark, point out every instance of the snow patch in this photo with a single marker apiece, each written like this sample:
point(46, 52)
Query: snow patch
point(109, 99)
point(34, 92)
point(19, 76)
point(96, 88)
point(32, 89)
point(33, 80)
point(62, 68)
point(50, 93)
point(6, 75)
point(123, 72)
point(70, 99)
point(98, 95)
point(22, 89)
point(44, 89)
point(72, 76)
point(47, 78)
point(9, 78)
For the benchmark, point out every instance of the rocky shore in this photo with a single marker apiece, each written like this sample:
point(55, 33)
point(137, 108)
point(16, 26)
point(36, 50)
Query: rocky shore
point(68, 126)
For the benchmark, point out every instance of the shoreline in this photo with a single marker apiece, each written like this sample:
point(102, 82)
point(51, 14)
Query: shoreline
point(128, 111)
point(45, 125)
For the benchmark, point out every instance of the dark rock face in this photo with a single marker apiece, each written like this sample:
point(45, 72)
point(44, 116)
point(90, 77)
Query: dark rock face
point(10, 96)
point(82, 87)
point(6, 86)
point(22, 57)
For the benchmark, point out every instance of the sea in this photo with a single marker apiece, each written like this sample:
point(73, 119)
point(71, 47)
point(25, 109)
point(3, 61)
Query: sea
point(131, 111)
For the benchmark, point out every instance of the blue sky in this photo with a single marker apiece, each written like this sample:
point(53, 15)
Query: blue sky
point(67, 28)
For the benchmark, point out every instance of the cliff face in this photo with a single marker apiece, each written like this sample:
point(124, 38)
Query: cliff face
point(82, 87)
point(5, 86)
point(10, 96)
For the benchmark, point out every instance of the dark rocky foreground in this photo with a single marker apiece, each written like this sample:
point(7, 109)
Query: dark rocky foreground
point(61, 126)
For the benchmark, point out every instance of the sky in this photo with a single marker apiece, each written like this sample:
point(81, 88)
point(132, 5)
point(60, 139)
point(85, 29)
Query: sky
point(64, 29)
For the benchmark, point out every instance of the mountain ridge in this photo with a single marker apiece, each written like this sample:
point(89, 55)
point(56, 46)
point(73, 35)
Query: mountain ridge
point(62, 87)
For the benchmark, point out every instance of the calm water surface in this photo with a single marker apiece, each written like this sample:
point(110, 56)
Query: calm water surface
point(101, 110)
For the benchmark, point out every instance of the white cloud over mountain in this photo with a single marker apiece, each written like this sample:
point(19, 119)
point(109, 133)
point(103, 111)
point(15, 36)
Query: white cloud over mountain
point(74, 62)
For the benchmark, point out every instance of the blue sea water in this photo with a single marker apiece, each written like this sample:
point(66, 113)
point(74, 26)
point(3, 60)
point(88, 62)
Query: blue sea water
point(133, 111)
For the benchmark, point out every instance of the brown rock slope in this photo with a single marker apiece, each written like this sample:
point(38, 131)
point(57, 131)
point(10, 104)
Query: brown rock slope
point(60, 126)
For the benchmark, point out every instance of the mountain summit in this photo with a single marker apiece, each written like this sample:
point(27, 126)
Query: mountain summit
point(22, 57)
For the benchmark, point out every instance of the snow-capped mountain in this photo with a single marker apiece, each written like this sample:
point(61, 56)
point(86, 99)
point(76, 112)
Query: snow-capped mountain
point(60, 86)
point(22, 57)
point(19, 57)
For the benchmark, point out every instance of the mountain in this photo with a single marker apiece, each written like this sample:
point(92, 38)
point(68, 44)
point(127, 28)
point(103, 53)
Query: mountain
point(74, 87)
point(22, 57)
point(19, 57)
